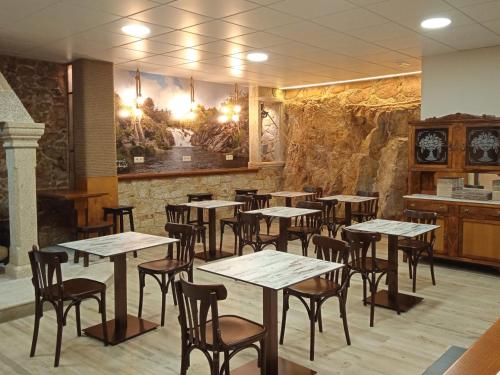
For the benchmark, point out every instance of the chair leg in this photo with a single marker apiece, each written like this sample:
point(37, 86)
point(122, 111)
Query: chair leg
point(142, 283)
point(409, 265)
point(342, 304)
point(163, 298)
point(286, 306)
point(103, 318)
point(86, 260)
point(320, 321)
point(430, 255)
point(235, 232)
point(263, 357)
point(373, 290)
point(226, 364)
point(215, 364)
point(204, 240)
point(78, 321)
point(414, 272)
point(184, 359)
point(60, 323)
point(222, 225)
point(76, 257)
point(171, 282)
point(312, 320)
point(364, 289)
point(38, 316)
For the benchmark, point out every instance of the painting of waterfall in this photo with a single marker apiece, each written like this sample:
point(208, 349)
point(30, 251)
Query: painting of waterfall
point(166, 124)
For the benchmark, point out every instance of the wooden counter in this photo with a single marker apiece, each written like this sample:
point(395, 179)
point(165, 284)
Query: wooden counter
point(482, 358)
point(470, 230)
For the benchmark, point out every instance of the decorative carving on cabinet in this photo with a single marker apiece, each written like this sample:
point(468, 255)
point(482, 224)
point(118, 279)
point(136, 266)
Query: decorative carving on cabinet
point(431, 146)
point(483, 146)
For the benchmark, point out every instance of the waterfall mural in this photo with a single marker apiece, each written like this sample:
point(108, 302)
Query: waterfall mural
point(160, 127)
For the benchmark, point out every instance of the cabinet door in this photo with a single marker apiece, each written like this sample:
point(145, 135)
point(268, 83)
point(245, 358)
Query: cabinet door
point(431, 147)
point(480, 239)
point(482, 147)
point(439, 245)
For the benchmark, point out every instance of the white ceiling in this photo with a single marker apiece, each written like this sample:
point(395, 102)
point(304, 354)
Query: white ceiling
point(308, 41)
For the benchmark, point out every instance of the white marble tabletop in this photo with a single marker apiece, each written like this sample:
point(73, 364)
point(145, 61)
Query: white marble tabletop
point(348, 198)
point(439, 198)
point(394, 228)
point(291, 194)
point(286, 212)
point(271, 269)
point(116, 244)
point(213, 204)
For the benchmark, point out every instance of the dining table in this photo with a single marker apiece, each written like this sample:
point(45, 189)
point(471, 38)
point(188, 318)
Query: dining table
point(211, 206)
point(348, 200)
point(124, 326)
point(272, 271)
point(392, 298)
point(284, 214)
point(289, 195)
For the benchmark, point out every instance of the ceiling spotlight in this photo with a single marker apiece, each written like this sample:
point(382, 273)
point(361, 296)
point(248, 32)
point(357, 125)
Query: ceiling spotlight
point(435, 23)
point(139, 31)
point(257, 56)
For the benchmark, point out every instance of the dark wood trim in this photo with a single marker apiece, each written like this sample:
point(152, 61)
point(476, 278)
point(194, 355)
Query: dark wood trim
point(186, 173)
point(456, 117)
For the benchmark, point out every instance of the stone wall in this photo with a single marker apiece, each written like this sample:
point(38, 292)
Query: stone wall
point(270, 132)
point(352, 137)
point(149, 196)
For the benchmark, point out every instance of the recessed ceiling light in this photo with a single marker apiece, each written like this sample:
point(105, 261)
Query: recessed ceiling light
point(136, 30)
point(257, 56)
point(435, 23)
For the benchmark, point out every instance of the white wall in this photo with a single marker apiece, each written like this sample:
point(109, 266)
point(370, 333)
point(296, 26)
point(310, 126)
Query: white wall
point(466, 82)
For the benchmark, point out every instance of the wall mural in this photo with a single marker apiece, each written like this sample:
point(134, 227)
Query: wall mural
point(168, 124)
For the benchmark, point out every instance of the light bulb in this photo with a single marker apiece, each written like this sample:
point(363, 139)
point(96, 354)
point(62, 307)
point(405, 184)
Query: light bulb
point(237, 108)
point(235, 118)
point(222, 118)
point(225, 109)
point(124, 113)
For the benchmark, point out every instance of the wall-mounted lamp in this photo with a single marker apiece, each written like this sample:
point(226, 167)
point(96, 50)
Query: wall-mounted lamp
point(231, 112)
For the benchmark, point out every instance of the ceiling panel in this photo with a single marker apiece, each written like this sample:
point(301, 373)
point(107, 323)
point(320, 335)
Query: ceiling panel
point(151, 46)
point(13, 10)
point(351, 19)
point(119, 7)
point(262, 18)
point(259, 40)
point(311, 8)
point(192, 54)
point(116, 27)
point(214, 8)
point(182, 38)
point(483, 11)
point(223, 47)
point(219, 29)
point(171, 17)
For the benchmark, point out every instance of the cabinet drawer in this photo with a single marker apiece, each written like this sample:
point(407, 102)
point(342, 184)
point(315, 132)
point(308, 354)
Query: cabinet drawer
point(437, 207)
point(481, 212)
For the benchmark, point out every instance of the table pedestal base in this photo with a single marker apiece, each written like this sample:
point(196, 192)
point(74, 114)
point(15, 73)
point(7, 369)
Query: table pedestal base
point(135, 327)
point(406, 302)
point(211, 257)
point(285, 367)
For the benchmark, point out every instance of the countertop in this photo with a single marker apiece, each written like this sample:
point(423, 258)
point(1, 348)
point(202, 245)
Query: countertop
point(447, 199)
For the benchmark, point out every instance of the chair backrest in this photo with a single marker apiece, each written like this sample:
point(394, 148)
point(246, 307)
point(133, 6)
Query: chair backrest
point(248, 227)
point(197, 306)
point(186, 235)
point(423, 217)
point(318, 192)
point(176, 213)
point(330, 210)
point(369, 207)
point(247, 201)
point(245, 191)
point(262, 201)
point(46, 273)
point(312, 220)
point(333, 250)
point(360, 243)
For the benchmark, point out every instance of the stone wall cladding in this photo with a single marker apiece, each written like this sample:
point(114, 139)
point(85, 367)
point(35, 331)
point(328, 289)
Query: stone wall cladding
point(149, 197)
point(352, 137)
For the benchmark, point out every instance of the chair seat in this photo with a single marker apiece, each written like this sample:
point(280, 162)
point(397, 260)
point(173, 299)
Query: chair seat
point(382, 264)
point(302, 230)
point(266, 238)
point(118, 208)
point(410, 244)
point(79, 288)
point(94, 228)
point(319, 286)
point(235, 330)
point(162, 265)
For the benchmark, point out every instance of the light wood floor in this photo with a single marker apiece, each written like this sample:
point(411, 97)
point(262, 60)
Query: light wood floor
point(455, 312)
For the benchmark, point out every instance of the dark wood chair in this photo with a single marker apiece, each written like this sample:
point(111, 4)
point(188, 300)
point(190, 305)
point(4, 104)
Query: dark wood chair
point(366, 211)
point(363, 252)
point(87, 231)
point(179, 213)
point(232, 222)
point(164, 270)
point(307, 226)
point(227, 334)
point(318, 192)
point(249, 233)
point(261, 201)
point(331, 220)
point(315, 292)
point(117, 213)
point(50, 287)
point(198, 197)
point(245, 191)
point(414, 248)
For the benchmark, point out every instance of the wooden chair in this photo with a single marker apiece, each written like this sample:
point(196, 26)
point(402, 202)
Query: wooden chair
point(227, 334)
point(331, 221)
point(414, 248)
point(366, 211)
point(245, 191)
point(179, 213)
point(249, 233)
point(197, 197)
point(307, 226)
point(318, 192)
point(318, 290)
point(232, 222)
point(50, 287)
point(261, 201)
point(164, 270)
point(88, 231)
point(363, 252)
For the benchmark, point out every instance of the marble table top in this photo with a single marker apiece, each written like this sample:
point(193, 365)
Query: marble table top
point(212, 204)
point(271, 269)
point(438, 198)
point(394, 228)
point(291, 194)
point(348, 198)
point(286, 212)
point(116, 244)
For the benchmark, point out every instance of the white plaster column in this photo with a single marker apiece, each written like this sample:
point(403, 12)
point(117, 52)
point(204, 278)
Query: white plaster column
point(20, 141)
